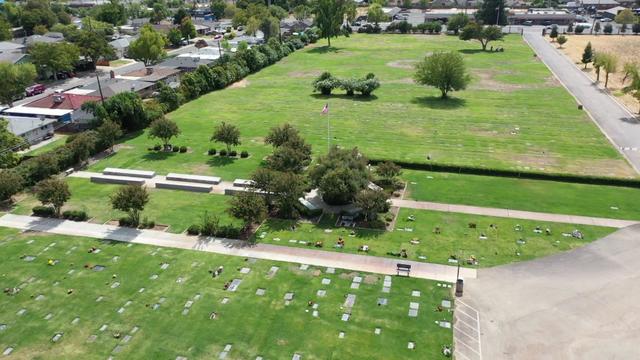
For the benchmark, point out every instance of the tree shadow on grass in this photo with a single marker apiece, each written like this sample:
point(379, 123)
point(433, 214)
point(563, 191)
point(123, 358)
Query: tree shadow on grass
point(472, 51)
point(436, 102)
point(324, 50)
point(158, 155)
point(219, 161)
point(345, 97)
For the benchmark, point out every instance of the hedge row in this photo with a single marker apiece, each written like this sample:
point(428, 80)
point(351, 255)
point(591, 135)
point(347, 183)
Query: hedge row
point(532, 175)
point(224, 231)
point(229, 69)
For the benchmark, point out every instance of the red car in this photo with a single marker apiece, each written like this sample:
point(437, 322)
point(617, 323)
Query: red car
point(35, 89)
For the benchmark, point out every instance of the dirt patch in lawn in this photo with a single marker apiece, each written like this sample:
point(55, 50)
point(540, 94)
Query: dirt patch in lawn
point(602, 167)
point(400, 81)
point(486, 81)
point(626, 48)
point(239, 84)
point(403, 64)
point(304, 74)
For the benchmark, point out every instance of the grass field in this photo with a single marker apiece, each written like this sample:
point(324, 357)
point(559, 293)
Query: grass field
point(178, 209)
point(500, 246)
point(513, 115)
point(522, 194)
point(61, 139)
point(134, 328)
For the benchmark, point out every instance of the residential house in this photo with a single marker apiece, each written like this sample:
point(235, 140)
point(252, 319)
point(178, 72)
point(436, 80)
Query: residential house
point(13, 53)
point(612, 12)
point(113, 85)
point(541, 17)
point(121, 46)
point(31, 129)
point(599, 4)
point(155, 74)
point(188, 62)
point(64, 108)
point(289, 26)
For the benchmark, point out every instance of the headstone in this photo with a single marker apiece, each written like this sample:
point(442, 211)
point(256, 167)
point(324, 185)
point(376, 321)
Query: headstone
point(411, 345)
point(345, 317)
point(444, 324)
point(115, 258)
point(115, 285)
point(245, 270)
point(153, 277)
point(162, 299)
point(415, 293)
point(386, 283)
point(181, 358)
point(188, 304)
point(129, 302)
point(355, 285)
point(197, 297)
point(180, 280)
point(260, 292)
point(296, 357)
point(56, 337)
point(92, 338)
point(377, 331)
point(155, 306)
point(413, 313)
point(29, 258)
point(288, 296)
point(141, 290)
point(227, 347)
point(71, 271)
point(414, 305)
point(382, 301)
point(224, 300)
point(48, 316)
point(341, 335)
point(121, 310)
point(185, 311)
point(98, 268)
point(126, 338)
point(331, 270)
point(350, 301)
point(315, 305)
point(315, 313)
point(117, 349)
point(234, 284)
point(164, 266)
point(273, 271)
point(304, 266)
point(326, 281)
point(30, 242)
point(386, 289)
point(103, 327)
point(134, 330)
point(75, 320)
point(40, 297)
point(321, 293)
point(21, 312)
point(7, 351)
point(446, 304)
point(259, 358)
point(357, 279)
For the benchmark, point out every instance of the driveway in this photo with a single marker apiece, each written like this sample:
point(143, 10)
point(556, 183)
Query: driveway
point(582, 304)
point(616, 122)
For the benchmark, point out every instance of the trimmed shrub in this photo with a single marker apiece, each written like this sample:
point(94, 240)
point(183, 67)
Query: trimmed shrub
point(579, 29)
point(228, 231)
point(244, 154)
point(175, 149)
point(183, 149)
point(43, 211)
point(125, 221)
point(349, 85)
point(325, 83)
point(193, 229)
point(211, 152)
point(233, 153)
point(223, 152)
point(75, 215)
point(157, 147)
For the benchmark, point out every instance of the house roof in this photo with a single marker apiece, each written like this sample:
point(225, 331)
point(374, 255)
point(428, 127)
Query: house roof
point(12, 57)
point(615, 10)
point(20, 125)
point(157, 73)
point(10, 46)
point(35, 39)
point(186, 62)
point(121, 43)
point(599, 2)
point(113, 86)
point(68, 101)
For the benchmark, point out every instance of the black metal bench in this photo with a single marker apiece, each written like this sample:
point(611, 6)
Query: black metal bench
point(403, 269)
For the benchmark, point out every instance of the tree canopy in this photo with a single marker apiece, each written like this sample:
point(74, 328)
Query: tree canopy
point(163, 129)
point(131, 199)
point(475, 31)
point(444, 71)
point(492, 12)
point(227, 134)
point(329, 17)
point(53, 191)
point(149, 47)
point(340, 175)
point(9, 144)
point(15, 79)
point(55, 57)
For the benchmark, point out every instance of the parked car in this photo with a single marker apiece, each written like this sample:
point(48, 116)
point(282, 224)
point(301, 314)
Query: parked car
point(35, 89)
point(47, 136)
point(604, 19)
point(218, 37)
point(528, 23)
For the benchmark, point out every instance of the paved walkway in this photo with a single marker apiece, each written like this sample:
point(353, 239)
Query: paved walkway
point(235, 247)
point(514, 214)
point(616, 122)
point(580, 304)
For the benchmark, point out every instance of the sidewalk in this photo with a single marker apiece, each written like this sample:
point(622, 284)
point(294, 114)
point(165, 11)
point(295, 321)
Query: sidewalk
point(235, 248)
point(514, 214)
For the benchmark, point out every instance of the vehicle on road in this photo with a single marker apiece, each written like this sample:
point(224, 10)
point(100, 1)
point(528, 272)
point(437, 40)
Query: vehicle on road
point(606, 20)
point(35, 89)
point(528, 23)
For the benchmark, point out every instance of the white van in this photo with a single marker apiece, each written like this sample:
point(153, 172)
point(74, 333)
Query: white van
point(585, 25)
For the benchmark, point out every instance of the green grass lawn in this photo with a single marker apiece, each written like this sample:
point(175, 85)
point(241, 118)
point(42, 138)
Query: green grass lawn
point(521, 194)
point(512, 116)
point(50, 146)
point(500, 247)
point(253, 325)
point(178, 209)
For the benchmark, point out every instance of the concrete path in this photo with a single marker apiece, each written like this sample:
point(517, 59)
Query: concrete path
point(616, 121)
point(582, 304)
point(514, 214)
point(236, 248)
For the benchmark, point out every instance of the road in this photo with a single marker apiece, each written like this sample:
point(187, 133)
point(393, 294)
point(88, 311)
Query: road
point(581, 304)
point(616, 122)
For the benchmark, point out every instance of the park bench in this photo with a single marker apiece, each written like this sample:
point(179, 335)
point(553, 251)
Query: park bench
point(403, 269)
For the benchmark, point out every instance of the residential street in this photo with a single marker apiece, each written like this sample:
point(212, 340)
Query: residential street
point(620, 126)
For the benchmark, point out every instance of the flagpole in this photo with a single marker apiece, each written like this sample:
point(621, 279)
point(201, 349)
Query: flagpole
point(328, 134)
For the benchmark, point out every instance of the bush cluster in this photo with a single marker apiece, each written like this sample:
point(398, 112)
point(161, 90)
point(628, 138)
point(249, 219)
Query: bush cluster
point(43, 211)
point(326, 83)
point(369, 29)
point(75, 215)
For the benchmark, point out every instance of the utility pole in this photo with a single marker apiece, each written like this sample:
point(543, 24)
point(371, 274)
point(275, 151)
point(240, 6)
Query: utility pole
point(100, 87)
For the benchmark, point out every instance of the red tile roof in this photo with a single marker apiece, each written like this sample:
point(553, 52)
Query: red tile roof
point(69, 101)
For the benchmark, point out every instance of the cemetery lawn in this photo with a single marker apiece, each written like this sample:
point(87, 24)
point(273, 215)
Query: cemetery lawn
point(253, 325)
point(500, 247)
point(514, 114)
point(178, 209)
point(522, 194)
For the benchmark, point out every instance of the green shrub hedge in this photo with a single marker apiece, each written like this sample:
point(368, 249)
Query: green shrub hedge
point(43, 211)
point(75, 215)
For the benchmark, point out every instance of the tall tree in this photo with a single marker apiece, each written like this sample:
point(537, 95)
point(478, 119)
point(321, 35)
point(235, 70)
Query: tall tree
point(475, 31)
point(5, 30)
point(217, 8)
point(163, 129)
point(55, 57)
point(53, 191)
point(444, 71)
point(388, 171)
point(329, 17)
point(634, 87)
point(94, 46)
point(375, 14)
point(626, 17)
point(125, 108)
point(587, 55)
point(249, 207)
point(9, 144)
point(371, 203)
point(108, 132)
point(15, 79)
point(149, 47)
point(492, 12)
point(457, 22)
point(187, 29)
point(160, 12)
point(227, 134)
point(11, 183)
point(131, 199)
point(610, 65)
point(112, 12)
point(340, 175)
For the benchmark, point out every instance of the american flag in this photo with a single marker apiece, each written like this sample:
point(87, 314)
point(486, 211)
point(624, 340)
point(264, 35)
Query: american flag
point(325, 109)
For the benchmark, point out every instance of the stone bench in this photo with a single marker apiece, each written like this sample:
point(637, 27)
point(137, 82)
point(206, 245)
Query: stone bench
point(121, 180)
point(242, 183)
point(194, 178)
point(183, 186)
point(128, 172)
